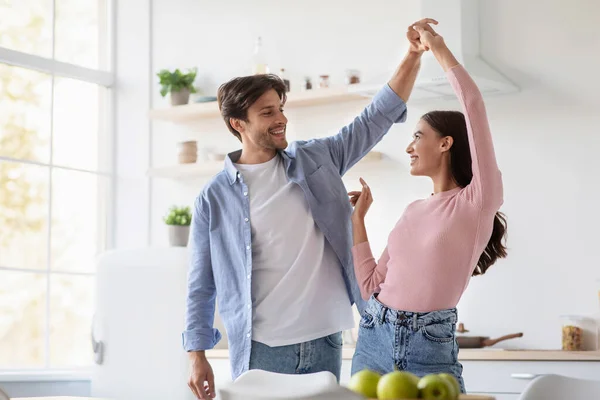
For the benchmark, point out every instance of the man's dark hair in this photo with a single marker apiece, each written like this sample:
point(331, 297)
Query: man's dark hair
point(237, 95)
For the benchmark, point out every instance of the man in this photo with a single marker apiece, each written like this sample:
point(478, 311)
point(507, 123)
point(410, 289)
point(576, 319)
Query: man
point(271, 233)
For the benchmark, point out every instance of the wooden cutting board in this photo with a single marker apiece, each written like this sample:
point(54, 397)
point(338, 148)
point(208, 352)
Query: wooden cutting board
point(468, 397)
point(462, 397)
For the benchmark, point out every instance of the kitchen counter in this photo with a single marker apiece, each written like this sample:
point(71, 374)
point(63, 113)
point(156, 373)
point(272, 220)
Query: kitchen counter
point(488, 354)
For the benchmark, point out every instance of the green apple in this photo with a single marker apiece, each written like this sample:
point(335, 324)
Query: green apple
point(398, 385)
point(434, 387)
point(414, 377)
point(453, 382)
point(365, 382)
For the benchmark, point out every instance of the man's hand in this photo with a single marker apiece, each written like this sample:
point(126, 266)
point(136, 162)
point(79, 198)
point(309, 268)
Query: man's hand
point(413, 35)
point(427, 37)
point(202, 379)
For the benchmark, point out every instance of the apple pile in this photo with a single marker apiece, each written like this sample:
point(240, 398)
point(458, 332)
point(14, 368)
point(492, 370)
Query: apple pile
point(404, 385)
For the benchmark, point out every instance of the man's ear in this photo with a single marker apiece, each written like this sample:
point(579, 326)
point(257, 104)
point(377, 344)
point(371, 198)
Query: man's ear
point(237, 124)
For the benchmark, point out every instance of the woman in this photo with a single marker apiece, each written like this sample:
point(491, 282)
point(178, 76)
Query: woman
point(438, 243)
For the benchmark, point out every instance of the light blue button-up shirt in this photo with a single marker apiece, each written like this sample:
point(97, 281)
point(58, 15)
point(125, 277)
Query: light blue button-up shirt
point(221, 240)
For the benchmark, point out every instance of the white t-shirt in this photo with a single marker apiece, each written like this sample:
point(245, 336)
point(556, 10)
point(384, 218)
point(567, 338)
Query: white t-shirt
point(298, 292)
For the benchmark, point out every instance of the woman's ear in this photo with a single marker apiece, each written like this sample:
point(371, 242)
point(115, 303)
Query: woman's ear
point(447, 142)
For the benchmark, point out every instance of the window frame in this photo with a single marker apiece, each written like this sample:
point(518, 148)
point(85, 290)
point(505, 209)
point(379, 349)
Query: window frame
point(103, 78)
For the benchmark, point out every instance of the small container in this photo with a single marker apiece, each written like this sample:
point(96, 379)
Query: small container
point(188, 152)
point(323, 81)
point(352, 77)
point(572, 332)
point(285, 80)
point(307, 83)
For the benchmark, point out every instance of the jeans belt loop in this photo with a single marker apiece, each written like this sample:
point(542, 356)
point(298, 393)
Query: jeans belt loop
point(383, 312)
point(415, 316)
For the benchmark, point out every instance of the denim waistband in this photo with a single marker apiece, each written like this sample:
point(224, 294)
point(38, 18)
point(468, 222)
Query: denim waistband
point(417, 319)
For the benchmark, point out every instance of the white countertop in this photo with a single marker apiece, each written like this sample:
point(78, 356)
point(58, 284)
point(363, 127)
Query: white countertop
point(486, 354)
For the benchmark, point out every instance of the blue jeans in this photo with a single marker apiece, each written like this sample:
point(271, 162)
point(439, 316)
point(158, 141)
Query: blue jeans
point(323, 354)
point(421, 343)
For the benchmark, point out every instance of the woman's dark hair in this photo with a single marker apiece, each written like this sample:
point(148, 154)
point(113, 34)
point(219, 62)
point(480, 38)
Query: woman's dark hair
point(236, 96)
point(453, 124)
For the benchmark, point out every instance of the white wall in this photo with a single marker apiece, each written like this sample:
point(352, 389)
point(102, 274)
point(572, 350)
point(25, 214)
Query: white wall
point(132, 97)
point(546, 136)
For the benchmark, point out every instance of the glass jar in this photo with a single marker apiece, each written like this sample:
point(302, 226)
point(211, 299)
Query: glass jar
point(323, 81)
point(307, 84)
point(572, 332)
point(352, 77)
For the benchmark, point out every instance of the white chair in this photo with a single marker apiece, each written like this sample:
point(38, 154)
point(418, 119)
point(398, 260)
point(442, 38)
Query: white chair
point(262, 385)
point(559, 387)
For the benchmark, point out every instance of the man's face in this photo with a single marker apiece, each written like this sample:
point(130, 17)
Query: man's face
point(265, 128)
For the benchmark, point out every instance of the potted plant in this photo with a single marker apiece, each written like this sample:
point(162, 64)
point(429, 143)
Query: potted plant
point(177, 83)
point(179, 219)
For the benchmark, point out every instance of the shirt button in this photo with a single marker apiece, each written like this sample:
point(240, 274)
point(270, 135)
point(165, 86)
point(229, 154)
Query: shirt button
point(248, 276)
point(247, 247)
point(248, 335)
point(246, 219)
point(249, 305)
point(245, 193)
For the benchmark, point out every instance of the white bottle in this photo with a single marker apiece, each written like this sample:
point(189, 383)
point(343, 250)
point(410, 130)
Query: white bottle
point(259, 61)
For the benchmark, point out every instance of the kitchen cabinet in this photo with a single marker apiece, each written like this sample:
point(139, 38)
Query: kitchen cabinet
point(504, 379)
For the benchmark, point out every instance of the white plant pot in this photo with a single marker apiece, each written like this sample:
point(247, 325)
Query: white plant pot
point(179, 235)
point(180, 97)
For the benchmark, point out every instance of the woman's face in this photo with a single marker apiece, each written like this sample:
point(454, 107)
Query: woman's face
point(427, 150)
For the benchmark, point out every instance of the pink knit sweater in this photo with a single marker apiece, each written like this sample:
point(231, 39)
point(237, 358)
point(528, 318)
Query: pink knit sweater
point(434, 247)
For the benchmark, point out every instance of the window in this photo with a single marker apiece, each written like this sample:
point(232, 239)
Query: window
point(56, 177)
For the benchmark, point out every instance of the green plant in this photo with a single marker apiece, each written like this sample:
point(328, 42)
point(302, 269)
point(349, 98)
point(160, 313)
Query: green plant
point(175, 81)
point(178, 216)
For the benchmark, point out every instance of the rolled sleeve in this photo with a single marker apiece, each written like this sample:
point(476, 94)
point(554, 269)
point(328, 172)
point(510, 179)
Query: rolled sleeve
point(200, 339)
point(199, 333)
point(390, 104)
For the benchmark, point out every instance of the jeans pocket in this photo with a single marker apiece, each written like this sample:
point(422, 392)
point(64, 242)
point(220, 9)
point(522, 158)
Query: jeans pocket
point(439, 332)
point(335, 340)
point(366, 321)
point(432, 346)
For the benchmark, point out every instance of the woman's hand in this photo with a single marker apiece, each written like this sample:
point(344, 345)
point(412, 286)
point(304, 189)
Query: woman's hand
point(361, 201)
point(427, 37)
point(434, 42)
point(416, 46)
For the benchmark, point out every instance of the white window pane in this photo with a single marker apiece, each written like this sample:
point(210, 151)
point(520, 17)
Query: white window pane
point(78, 140)
point(25, 101)
point(78, 219)
point(81, 32)
point(22, 319)
point(26, 26)
point(23, 215)
point(71, 309)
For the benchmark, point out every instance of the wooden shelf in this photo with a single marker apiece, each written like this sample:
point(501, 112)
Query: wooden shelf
point(196, 112)
point(208, 169)
point(187, 171)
